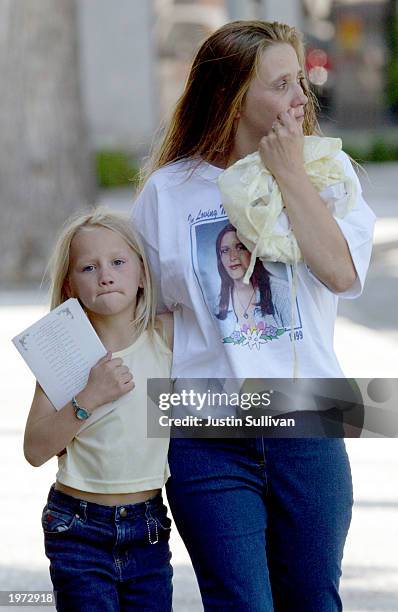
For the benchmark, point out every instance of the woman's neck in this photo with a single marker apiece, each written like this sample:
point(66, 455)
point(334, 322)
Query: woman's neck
point(116, 332)
point(241, 287)
point(245, 143)
point(243, 299)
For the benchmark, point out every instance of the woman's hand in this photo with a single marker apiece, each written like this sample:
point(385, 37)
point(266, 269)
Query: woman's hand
point(108, 380)
point(320, 239)
point(281, 150)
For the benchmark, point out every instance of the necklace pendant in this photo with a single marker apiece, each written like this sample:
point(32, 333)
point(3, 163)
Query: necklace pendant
point(245, 315)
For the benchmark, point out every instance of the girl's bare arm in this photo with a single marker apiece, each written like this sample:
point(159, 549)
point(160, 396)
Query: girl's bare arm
point(49, 431)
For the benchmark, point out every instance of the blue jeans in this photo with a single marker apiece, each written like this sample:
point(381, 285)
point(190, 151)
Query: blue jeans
point(264, 520)
point(108, 558)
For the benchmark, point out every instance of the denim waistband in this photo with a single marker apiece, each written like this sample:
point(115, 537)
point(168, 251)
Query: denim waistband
point(101, 512)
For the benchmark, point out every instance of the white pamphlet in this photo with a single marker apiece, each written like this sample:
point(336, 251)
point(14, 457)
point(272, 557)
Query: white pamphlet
point(60, 349)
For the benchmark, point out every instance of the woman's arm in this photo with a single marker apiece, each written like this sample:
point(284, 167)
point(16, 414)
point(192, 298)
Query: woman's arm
point(49, 431)
point(321, 241)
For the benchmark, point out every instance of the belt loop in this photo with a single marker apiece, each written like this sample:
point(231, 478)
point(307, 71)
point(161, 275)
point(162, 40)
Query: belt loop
point(83, 510)
point(151, 524)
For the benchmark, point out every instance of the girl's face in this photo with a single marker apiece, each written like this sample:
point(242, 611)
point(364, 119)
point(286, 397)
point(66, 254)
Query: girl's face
point(276, 88)
point(234, 256)
point(104, 272)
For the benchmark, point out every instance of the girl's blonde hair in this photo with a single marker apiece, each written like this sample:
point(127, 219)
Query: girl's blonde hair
point(203, 123)
point(59, 263)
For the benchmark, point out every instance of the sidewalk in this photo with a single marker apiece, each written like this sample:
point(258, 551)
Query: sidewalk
point(367, 345)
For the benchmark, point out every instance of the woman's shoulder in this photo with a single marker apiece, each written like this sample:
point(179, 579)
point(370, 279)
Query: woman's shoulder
point(157, 187)
point(171, 173)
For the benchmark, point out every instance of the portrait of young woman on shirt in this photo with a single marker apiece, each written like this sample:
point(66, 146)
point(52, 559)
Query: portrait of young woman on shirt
point(241, 307)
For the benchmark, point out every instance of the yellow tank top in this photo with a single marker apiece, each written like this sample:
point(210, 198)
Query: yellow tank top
point(114, 455)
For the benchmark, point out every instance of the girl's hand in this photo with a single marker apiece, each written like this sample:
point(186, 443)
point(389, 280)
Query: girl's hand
point(281, 150)
point(108, 380)
point(48, 431)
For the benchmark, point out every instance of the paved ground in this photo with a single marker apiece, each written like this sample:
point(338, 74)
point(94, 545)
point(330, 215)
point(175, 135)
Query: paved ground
point(367, 344)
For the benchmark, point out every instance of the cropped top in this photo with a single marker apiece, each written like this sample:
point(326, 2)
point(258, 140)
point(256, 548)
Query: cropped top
point(114, 454)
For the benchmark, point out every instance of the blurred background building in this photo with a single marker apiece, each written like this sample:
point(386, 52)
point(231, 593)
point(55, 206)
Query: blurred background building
point(135, 57)
point(87, 83)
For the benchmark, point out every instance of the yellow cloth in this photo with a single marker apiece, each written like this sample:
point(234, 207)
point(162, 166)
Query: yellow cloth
point(253, 201)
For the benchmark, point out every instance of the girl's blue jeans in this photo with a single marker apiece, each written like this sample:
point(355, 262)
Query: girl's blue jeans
point(108, 558)
point(264, 520)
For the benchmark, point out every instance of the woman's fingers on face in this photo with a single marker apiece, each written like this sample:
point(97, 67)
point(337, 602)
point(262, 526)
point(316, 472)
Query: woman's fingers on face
point(284, 117)
point(275, 126)
point(288, 120)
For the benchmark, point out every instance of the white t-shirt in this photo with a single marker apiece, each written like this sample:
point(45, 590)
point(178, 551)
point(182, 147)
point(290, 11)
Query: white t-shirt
point(179, 215)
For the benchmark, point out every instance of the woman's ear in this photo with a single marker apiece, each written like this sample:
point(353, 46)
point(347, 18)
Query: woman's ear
point(67, 288)
point(238, 113)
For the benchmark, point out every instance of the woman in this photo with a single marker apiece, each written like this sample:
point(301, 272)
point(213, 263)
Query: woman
point(255, 306)
point(264, 520)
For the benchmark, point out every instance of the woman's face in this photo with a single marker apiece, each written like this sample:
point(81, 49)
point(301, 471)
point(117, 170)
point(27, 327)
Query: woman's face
point(234, 256)
point(276, 88)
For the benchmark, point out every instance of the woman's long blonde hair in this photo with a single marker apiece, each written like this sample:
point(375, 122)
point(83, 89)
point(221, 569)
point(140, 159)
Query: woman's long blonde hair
point(203, 123)
point(58, 268)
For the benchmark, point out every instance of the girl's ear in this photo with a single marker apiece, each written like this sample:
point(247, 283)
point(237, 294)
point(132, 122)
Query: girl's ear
point(142, 275)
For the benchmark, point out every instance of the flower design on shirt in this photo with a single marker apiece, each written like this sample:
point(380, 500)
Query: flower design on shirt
point(236, 336)
point(253, 337)
point(270, 330)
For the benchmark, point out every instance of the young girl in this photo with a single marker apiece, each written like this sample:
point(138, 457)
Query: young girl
point(106, 529)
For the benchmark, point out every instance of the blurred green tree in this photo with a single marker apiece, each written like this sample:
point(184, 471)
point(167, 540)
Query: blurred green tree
point(45, 167)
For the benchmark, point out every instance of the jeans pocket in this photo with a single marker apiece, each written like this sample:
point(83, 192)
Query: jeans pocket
point(163, 521)
point(56, 521)
point(159, 513)
point(158, 524)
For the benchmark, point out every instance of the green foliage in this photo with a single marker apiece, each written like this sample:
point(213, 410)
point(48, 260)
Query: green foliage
point(116, 169)
point(392, 83)
point(379, 150)
point(392, 68)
